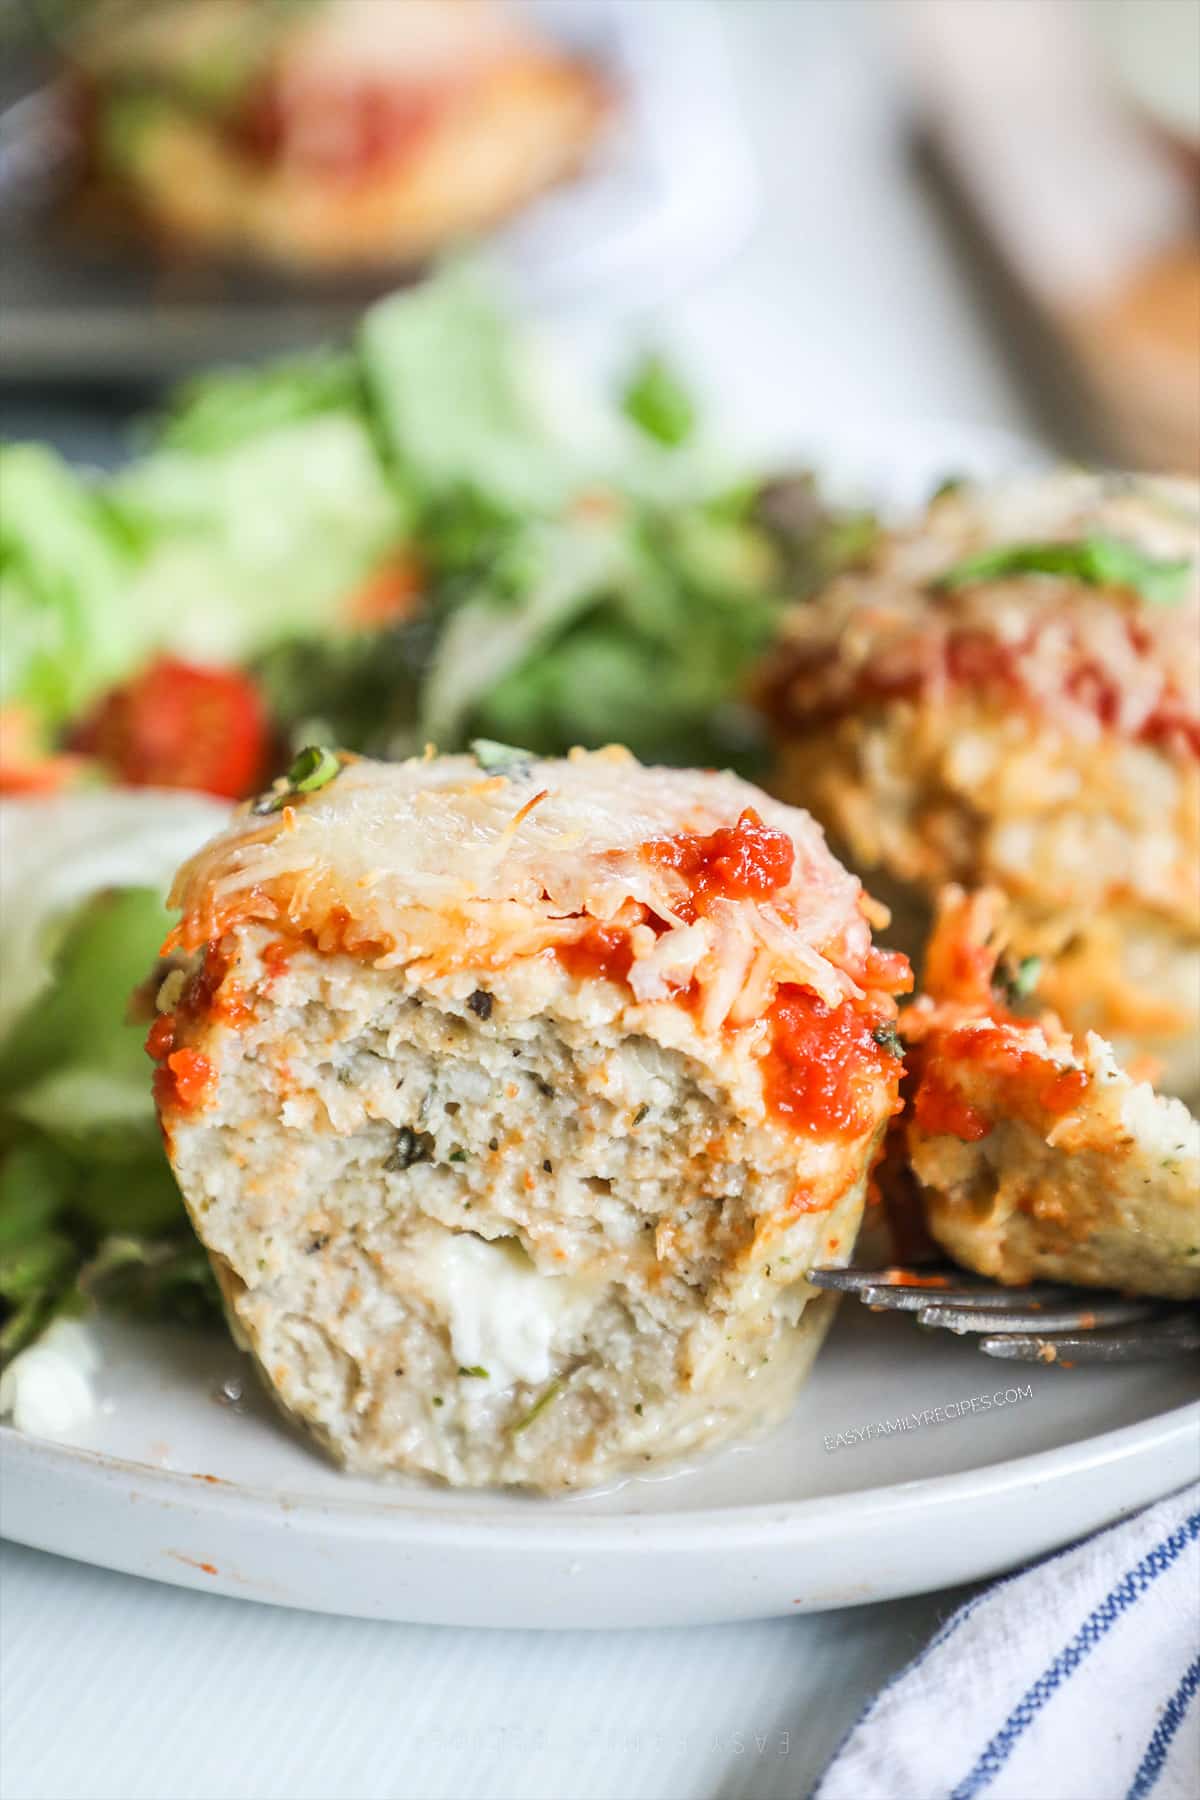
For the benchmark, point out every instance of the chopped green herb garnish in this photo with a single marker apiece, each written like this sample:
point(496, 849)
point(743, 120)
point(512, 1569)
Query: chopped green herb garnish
point(476, 1369)
point(1020, 982)
point(539, 1406)
point(1098, 561)
point(887, 1039)
point(658, 403)
point(315, 767)
point(501, 759)
point(459, 1155)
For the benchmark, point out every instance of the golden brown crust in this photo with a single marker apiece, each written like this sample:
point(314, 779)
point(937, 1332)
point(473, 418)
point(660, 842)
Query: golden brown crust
point(1036, 1157)
point(1034, 732)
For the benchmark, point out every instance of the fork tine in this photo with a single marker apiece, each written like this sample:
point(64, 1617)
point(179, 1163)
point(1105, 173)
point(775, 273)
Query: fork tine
point(907, 1289)
point(1045, 1322)
point(902, 1299)
point(1157, 1340)
point(989, 1303)
point(938, 1276)
point(1089, 1313)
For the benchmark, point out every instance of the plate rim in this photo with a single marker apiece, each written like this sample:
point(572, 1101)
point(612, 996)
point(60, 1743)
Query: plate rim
point(738, 1526)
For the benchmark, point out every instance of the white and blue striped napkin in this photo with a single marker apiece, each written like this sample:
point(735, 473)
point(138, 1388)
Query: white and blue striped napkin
point(1074, 1680)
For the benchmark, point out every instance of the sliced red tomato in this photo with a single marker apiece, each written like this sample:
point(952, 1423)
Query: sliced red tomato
point(179, 725)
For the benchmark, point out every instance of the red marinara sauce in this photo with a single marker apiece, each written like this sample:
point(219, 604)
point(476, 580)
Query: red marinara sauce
point(1026, 1084)
point(824, 1068)
point(941, 1111)
point(746, 861)
point(183, 1076)
point(603, 953)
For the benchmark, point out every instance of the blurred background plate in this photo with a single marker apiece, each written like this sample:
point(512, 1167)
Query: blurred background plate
point(668, 195)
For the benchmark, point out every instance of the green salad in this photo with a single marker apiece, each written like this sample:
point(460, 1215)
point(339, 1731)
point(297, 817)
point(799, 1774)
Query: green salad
point(437, 534)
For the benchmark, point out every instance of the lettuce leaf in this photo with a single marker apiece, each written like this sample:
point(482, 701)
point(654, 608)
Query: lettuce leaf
point(66, 628)
point(81, 920)
point(260, 541)
point(259, 508)
point(214, 412)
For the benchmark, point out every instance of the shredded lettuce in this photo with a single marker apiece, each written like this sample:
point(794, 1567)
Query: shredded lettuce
point(66, 632)
point(585, 569)
point(256, 512)
point(81, 918)
point(262, 542)
point(212, 413)
point(656, 400)
point(461, 397)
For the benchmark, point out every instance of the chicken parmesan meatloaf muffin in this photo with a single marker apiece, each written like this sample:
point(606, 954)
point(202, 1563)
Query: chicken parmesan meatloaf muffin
point(514, 1100)
point(1039, 1158)
point(1009, 693)
point(337, 133)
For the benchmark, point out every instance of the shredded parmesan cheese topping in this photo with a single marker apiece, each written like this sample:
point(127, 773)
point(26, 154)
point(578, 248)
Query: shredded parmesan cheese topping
point(434, 865)
point(1095, 661)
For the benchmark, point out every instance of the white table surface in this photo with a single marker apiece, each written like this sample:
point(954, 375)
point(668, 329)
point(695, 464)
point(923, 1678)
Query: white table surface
point(848, 298)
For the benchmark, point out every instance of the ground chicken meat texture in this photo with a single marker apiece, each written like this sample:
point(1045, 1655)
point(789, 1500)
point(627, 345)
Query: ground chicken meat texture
point(513, 1105)
point(1008, 693)
point(1039, 1158)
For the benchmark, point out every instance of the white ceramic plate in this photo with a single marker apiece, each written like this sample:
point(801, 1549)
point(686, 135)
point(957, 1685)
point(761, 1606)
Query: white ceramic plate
point(171, 1480)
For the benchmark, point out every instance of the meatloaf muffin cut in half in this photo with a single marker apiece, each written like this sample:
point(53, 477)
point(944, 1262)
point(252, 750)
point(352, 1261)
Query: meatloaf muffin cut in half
point(514, 1103)
point(1038, 1158)
point(1008, 694)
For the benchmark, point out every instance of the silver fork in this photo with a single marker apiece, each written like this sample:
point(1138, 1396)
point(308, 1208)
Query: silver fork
point(1044, 1323)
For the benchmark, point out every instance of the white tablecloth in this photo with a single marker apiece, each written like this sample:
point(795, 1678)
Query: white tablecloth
point(848, 299)
point(115, 1689)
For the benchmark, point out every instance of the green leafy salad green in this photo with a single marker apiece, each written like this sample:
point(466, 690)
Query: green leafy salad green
point(88, 1207)
point(437, 534)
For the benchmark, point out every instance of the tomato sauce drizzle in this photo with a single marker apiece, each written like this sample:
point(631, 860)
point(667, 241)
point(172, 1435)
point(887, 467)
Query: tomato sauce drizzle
point(1025, 1085)
point(941, 1111)
point(183, 1077)
point(746, 861)
point(603, 953)
point(824, 1066)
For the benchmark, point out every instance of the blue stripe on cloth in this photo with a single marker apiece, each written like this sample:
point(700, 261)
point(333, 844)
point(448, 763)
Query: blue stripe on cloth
point(944, 1631)
point(1151, 1765)
point(1126, 1593)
